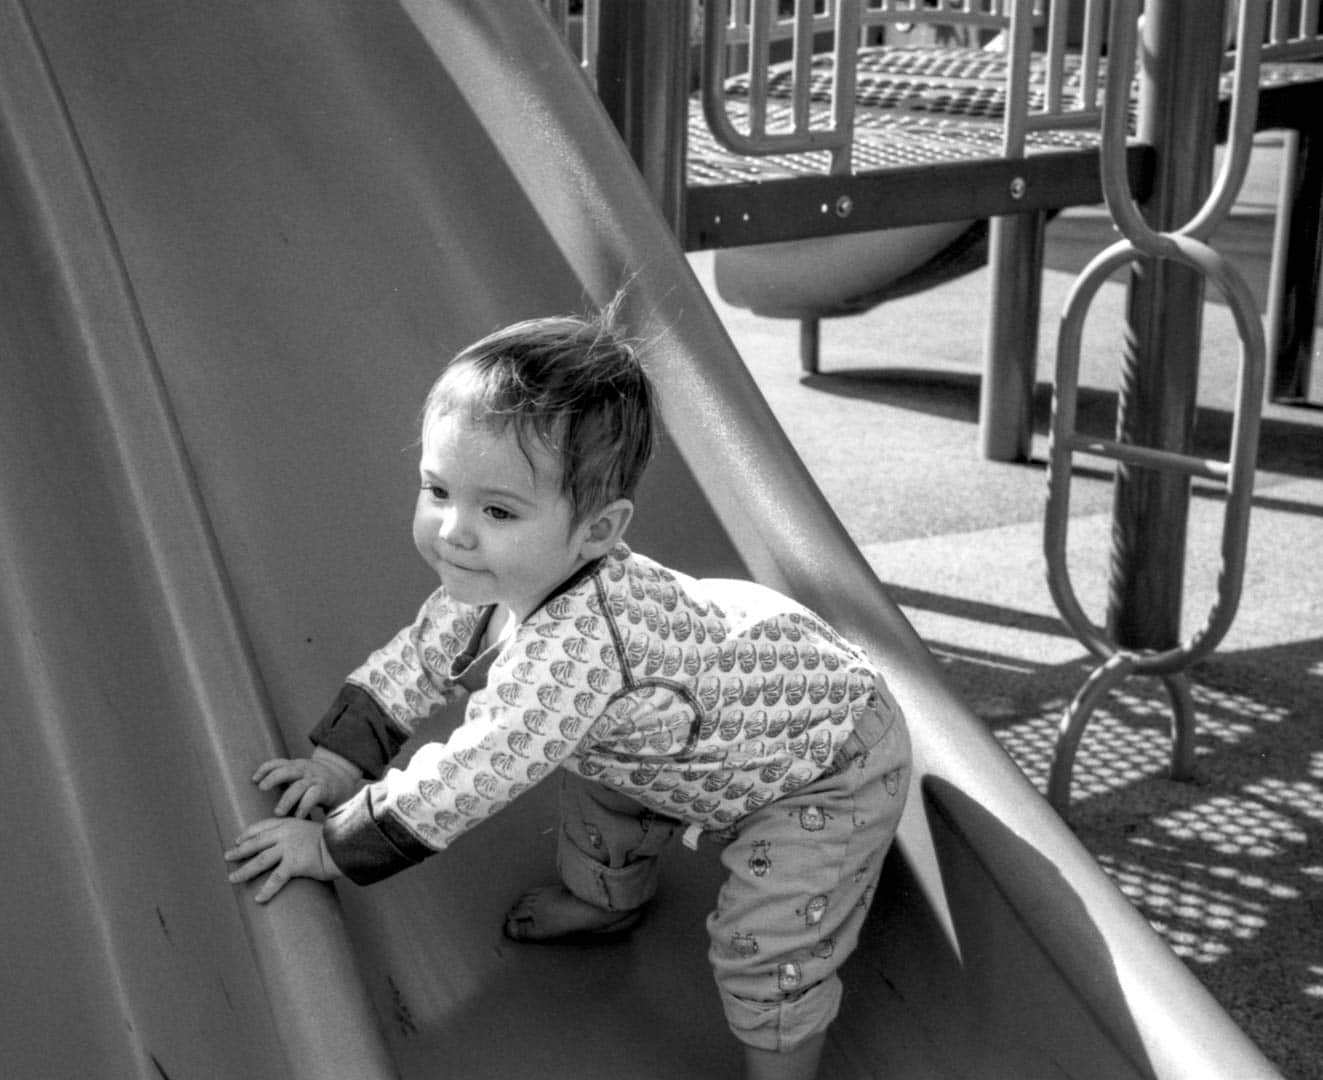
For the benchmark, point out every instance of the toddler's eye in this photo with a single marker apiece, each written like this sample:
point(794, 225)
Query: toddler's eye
point(436, 491)
point(499, 513)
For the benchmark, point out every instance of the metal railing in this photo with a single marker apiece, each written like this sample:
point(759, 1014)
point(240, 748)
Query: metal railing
point(753, 25)
point(1291, 34)
point(1054, 47)
point(738, 36)
point(1041, 42)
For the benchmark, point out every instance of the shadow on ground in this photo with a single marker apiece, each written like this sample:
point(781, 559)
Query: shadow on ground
point(1289, 447)
point(1227, 867)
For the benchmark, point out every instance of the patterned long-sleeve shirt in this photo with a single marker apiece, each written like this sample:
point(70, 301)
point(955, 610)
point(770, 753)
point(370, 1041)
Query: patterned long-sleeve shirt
point(702, 699)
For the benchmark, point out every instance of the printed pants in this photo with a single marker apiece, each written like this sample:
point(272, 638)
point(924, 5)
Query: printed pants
point(801, 875)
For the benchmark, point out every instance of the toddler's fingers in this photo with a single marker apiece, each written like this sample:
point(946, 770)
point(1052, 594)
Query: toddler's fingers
point(255, 837)
point(275, 881)
point(258, 864)
point(312, 798)
point(280, 774)
point(243, 873)
point(291, 797)
point(267, 767)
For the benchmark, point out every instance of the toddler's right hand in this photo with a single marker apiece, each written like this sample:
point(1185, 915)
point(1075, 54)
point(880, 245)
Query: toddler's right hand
point(308, 783)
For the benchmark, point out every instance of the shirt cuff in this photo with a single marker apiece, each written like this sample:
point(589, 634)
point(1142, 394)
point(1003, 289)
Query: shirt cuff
point(367, 849)
point(357, 728)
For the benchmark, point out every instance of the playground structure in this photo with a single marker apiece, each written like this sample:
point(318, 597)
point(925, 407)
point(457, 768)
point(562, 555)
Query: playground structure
point(762, 152)
point(852, 173)
point(238, 237)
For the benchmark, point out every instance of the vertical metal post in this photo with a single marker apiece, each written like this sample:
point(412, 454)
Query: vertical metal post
point(1296, 268)
point(1015, 265)
point(1181, 50)
point(643, 81)
point(810, 344)
point(1010, 354)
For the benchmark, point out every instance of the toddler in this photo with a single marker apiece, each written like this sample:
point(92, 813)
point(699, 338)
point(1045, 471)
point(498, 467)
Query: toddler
point(666, 704)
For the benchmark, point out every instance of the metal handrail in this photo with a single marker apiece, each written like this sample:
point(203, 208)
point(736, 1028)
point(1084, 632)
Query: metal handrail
point(980, 14)
point(1287, 42)
point(752, 25)
point(756, 28)
point(1291, 31)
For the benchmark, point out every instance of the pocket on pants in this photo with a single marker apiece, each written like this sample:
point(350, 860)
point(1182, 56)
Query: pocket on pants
point(880, 718)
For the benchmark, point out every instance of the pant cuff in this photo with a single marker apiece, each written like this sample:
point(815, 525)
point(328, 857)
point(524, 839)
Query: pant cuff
point(782, 1025)
point(622, 888)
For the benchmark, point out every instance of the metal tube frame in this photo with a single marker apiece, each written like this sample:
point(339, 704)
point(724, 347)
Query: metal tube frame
point(1186, 245)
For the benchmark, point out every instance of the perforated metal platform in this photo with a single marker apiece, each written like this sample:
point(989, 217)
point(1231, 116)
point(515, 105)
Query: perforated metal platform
point(915, 105)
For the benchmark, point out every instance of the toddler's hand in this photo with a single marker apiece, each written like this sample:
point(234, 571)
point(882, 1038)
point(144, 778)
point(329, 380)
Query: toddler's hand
point(289, 848)
point(308, 782)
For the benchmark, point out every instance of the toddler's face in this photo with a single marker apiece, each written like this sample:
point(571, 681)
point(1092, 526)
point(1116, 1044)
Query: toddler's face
point(490, 521)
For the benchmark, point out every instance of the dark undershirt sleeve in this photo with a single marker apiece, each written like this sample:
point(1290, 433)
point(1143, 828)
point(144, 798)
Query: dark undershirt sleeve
point(368, 848)
point(357, 728)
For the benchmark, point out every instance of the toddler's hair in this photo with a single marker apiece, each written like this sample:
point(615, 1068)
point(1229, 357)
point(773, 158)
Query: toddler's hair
point(571, 383)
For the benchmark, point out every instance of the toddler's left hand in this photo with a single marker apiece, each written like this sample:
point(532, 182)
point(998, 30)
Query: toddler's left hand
point(288, 847)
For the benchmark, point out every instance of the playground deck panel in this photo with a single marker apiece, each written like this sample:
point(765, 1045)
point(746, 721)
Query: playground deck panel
point(927, 148)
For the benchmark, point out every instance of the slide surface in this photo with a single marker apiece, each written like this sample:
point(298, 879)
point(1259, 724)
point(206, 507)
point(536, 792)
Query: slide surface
point(239, 238)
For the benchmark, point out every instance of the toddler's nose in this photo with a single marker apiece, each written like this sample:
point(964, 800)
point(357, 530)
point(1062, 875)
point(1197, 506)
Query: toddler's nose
point(452, 529)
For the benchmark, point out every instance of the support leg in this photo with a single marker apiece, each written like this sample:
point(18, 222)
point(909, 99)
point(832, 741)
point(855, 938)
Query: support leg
point(810, 343)
point(1297, 259)
point(1010, 363)
point(1183, 722)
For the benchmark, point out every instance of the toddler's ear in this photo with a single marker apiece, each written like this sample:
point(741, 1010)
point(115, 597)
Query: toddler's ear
point(606, 527)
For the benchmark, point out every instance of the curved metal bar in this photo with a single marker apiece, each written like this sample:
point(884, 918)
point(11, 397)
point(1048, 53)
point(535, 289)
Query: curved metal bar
point(1064, 441)
point(757, 143)
point(1122, 41)
point(1244, 107)
point(1075, 719)
point(1101, 682)
point(1183, 724)
point(1061, 440)
point(1123, 38)
point(1243, 451)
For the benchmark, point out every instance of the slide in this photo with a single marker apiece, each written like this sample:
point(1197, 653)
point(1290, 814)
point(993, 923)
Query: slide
point(844, 275)
point(238, 238)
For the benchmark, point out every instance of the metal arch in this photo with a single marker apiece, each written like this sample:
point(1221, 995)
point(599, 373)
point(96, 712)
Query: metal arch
point(1101, 682)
